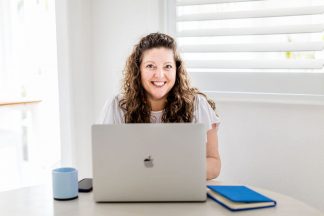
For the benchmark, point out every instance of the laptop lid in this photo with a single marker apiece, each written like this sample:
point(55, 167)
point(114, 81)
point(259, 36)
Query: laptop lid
point(149, 162)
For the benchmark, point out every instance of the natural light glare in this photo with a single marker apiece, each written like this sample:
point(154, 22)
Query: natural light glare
point(29, 134)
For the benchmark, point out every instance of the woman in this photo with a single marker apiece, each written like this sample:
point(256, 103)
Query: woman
point(156, 89)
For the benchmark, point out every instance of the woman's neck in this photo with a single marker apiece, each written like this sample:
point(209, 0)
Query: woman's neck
point(157, 105)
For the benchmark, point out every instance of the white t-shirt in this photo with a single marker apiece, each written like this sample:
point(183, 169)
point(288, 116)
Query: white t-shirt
point(203, 113)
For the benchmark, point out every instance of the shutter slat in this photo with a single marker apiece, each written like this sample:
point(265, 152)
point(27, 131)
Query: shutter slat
point(290, 29)
point(256, 64)
point(255, 47)
point(202, 2)
point(278, 97)
point(311, 10)
point(301, 83)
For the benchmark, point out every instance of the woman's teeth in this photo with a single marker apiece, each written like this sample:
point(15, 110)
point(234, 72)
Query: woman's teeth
point(158, 83)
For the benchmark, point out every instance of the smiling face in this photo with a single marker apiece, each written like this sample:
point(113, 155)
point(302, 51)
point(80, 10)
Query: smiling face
point(158, 75)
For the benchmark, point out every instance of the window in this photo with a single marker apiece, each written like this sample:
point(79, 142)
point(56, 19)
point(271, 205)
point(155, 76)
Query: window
point(269, 49)
point(29, 134)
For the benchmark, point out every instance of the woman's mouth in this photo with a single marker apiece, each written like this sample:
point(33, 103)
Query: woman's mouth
point(158, 84)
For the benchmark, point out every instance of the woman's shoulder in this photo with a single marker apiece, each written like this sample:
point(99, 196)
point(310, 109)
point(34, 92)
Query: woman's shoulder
point(204, 113)
point(112, 112)
point(116, 102)
point(201, 100)
point(117, 98)
point(200, 96)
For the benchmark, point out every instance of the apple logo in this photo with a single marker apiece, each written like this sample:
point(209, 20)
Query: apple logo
point(148, 162)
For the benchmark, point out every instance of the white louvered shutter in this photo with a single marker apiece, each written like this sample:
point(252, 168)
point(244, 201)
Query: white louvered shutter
point(267, 48)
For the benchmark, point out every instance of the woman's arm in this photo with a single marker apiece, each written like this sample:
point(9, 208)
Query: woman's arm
point(213, 158)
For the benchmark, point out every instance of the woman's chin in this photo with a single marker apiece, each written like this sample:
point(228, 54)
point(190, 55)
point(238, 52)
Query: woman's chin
point(158, 97)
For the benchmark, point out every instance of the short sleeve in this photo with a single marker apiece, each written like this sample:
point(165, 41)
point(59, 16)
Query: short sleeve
point(204, 113)
point(111, 112)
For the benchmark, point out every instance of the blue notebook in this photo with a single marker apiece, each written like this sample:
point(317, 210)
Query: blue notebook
point(238, 198)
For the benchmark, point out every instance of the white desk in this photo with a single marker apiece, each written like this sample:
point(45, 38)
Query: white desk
point(34, 201)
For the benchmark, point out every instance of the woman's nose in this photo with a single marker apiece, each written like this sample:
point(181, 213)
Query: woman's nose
point(159, 73)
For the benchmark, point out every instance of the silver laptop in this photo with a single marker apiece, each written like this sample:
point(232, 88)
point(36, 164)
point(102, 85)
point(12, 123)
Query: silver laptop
point(149, 162)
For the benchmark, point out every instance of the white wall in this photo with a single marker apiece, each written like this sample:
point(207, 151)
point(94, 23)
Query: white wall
point(275, 146)
point(74, 36)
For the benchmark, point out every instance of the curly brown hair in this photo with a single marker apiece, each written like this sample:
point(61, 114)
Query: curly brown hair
point(179, 106)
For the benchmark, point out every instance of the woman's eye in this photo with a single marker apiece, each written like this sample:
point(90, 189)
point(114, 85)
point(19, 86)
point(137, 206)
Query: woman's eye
point(168, 66)
point(150, 66)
